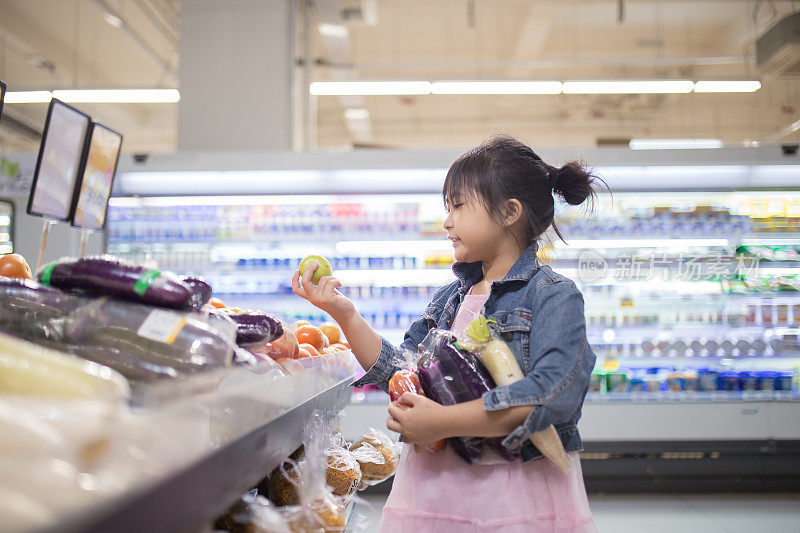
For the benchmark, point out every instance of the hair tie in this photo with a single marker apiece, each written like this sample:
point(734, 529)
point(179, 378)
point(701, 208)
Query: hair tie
point(552, 176)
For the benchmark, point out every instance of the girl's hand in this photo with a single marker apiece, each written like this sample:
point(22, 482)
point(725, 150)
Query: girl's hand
point(324, 295)
point(418, 419)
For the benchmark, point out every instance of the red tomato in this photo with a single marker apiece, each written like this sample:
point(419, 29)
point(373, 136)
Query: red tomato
point(403, 381)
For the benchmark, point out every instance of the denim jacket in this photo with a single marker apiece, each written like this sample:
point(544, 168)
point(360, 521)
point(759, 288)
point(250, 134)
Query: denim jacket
point(540, 315)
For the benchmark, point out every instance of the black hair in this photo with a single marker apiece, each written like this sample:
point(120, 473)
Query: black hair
point(502, 168)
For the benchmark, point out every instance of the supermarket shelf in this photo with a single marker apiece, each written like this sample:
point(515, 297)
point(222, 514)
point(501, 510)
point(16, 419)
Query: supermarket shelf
point(693, 397)
point(188, 500)
point(379, 398)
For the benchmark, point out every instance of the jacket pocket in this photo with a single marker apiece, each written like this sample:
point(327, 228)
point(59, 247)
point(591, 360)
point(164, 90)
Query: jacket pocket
point(515, 329)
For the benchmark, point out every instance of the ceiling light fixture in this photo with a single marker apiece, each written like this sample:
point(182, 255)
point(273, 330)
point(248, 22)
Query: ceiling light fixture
point(119, 96)
point(28, 97)
point(359, 113)
point(674, 144)
point(739, 86)
point(496, 87)
point(369, 88)
point(628, 87)
point(112, 19)
point(333, 30)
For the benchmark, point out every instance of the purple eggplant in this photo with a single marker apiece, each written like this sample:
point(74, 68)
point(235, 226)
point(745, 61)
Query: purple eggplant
point(201, 290)
point(180, 341)
point(449, 376)
point(109, 276)
point(255, 329)
point(33, 311)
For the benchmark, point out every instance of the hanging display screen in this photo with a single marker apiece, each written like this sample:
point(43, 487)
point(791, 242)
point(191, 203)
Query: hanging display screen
point(2, 97)
point(96, 178)
point(60, 154)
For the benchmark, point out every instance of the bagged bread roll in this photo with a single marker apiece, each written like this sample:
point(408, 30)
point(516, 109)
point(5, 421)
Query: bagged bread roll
point(377, 456)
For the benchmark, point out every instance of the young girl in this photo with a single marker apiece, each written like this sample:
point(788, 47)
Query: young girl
point(499, 199)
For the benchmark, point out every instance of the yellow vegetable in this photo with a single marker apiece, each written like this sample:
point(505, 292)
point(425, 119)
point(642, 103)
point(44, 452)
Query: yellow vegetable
point(26, 368)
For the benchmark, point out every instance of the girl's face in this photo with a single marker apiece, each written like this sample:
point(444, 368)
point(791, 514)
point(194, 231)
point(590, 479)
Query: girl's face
point(473, 231)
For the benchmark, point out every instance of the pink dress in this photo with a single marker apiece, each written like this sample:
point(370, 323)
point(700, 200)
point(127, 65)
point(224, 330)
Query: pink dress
point(440, 492)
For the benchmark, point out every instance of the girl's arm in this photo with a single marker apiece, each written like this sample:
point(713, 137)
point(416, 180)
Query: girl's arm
point(423, 421)
point(374, 353)
point(364, 341)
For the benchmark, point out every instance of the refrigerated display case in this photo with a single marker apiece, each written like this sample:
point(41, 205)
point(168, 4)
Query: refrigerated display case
point(689, 273)
point(6, 227)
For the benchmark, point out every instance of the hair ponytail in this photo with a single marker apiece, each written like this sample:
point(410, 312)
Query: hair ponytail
point(573, 183)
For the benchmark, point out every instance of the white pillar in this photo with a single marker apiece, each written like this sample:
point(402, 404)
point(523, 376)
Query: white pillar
point(236, 61)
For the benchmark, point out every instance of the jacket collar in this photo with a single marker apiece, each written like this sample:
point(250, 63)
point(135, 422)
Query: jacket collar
point(522, 270)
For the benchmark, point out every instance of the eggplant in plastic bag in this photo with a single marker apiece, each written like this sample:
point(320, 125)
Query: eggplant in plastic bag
point(450, 376)
point(255, 328)
point(144, 343)
point(109, 276)
point(33, 311)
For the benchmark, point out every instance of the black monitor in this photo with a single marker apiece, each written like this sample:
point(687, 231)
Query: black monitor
point(98, 168)
point(2, 97)
point(59, 162)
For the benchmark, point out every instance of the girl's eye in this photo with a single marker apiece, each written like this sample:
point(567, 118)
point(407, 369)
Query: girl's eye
point(456, 206)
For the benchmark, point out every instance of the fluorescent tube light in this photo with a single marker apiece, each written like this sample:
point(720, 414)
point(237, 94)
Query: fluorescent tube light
point(121, 96)
point(496, 87)
point(28, 97)
point(369, 88)
point(740, 86)
point(333, 30)
point(112, 20)
point(673, 144)
point(627, 87)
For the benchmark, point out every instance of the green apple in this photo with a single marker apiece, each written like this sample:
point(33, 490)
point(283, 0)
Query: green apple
point(324, 268)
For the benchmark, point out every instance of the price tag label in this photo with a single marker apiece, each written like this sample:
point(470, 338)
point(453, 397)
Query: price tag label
point(162, 326)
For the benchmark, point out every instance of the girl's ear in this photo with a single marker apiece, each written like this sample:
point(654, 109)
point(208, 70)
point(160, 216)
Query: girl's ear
point(513, 212)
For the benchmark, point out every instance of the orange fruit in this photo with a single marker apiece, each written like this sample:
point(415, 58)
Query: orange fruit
point(298, 323)
point(308, 334)
point(217, 303)
point(344, 343)
point(303, 353)
point(14, 266)
point(339, 347)
point(331, 331)
point(309, 348)
point(325, 341)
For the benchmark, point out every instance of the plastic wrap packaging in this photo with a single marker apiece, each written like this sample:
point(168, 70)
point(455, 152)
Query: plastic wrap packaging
point(109, 276)
point(300, 487)
point(377, 456)
point(29, 369)
point(449, 376)
point(407, 380)
point(141, 342)
point(494, 353)
point(254, 328)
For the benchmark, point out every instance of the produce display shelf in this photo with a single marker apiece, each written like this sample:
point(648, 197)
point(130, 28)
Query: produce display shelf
point(188, 500)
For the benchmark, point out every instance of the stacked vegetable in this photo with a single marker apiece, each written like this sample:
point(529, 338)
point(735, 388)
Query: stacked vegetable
point(144, 323)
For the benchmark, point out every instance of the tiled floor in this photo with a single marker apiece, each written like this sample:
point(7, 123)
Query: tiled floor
point(739, 513)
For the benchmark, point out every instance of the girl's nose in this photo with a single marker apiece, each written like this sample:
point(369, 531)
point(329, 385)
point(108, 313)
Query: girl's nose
point(448, 223)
